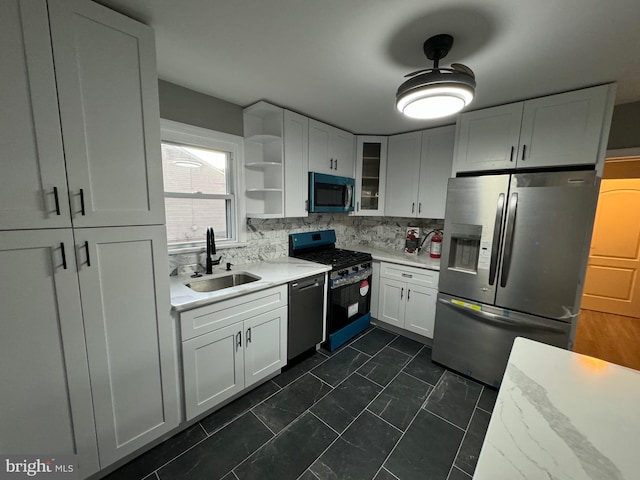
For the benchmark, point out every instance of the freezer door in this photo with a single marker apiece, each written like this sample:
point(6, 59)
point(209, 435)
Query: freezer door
point(546, 242)
point(476, 339)
point(474, 218)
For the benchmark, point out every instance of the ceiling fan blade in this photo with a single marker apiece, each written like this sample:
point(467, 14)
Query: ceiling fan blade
point(463, 68)
point(412, 74)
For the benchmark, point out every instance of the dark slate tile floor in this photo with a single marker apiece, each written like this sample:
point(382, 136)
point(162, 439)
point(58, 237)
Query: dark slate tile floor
point(376, 409)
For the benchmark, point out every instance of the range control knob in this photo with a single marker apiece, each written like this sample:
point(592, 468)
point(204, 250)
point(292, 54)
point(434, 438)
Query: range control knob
point(355, 269)
point(365, 265)
point(343, 272)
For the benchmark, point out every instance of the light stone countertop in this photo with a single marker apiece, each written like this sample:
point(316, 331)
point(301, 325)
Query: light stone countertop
point(562, 415)
point(422, 260)
point(271, 272)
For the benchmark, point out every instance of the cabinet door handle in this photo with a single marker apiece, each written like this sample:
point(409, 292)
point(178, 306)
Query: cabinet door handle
point(336, 164)
point(401, 293)
point(238, 340)
point(86, 247)
point(64, 256)
point(413, 207)
point(524, 148)
point(82, 201)
point(248, 336)
point(407, 275)
point(408, 295)
point(511, 155)
point(55, 196)
point(357, 206)
point(331, 166)
point(420, 207)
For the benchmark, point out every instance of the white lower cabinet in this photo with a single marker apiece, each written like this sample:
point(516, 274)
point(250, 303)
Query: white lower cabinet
point(46, 394)
point(231, 357)
point(131, 342)
point(407, 298)
point(88, 348)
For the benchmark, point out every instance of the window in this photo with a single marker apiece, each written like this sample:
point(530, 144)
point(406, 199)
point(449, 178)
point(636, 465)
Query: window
point(199, 169)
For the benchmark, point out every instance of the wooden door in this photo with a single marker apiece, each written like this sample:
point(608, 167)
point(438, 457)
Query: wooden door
point(265, 345)
point(612, 284)
point(131, 339)
point(34, 182)
point(403, 171)
point(108, 95)
point(46, 397)
point(213, 368)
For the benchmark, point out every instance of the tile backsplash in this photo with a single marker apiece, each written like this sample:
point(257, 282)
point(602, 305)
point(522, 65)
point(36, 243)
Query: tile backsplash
point(269, 238)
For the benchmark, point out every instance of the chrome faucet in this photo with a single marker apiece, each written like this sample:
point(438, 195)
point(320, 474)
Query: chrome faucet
point(211, 250)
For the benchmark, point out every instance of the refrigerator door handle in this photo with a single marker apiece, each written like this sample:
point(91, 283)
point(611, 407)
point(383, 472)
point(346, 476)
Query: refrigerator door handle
point(494, 319)
point(495, 244)
point(508, 241)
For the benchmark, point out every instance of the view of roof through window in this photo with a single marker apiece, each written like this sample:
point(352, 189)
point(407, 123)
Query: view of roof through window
point(196, 186)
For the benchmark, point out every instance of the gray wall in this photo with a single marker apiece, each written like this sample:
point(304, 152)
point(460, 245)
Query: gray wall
point(183, 105)
point(625, 126)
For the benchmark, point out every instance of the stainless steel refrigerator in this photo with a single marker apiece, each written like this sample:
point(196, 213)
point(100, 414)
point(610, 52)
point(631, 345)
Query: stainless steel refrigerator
point(514, 255)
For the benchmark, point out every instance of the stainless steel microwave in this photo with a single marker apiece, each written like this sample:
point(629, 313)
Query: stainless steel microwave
point(330, 193)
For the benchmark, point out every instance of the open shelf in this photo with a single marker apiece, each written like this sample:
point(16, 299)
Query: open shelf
point(262, 165)
point(264, 138)
point(264, 215)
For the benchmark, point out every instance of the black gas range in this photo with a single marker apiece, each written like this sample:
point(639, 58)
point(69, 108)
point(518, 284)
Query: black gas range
point(349, 298)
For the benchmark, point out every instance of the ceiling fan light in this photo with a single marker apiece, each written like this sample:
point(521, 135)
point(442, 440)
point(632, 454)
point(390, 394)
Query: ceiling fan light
point(434, 100)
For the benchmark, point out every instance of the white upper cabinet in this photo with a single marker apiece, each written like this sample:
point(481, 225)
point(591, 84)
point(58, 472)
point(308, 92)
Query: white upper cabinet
point(108, 96)
point(330, 150)
point(418, 168)
point(371, 171)
point(34, 185)
point(296, 164)
point(488, 139)
point(403, 172)
point(563, 129)
point(436, 158)
point(558, 130)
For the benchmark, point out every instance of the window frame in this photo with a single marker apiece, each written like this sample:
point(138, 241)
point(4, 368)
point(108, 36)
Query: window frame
point(190, 135)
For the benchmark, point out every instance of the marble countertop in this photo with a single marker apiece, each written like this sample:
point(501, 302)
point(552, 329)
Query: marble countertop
point(422, 260)
point(271, 272)
point(562, 415)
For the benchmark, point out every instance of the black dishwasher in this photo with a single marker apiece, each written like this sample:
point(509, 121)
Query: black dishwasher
point(306, 314)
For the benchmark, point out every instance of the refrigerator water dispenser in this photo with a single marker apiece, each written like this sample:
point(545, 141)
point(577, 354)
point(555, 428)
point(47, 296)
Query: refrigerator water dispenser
point(465, 247)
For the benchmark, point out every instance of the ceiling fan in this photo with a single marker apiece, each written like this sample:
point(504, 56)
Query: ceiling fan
point(436, 92)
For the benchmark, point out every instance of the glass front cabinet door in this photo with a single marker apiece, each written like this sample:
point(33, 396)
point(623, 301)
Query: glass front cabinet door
point(371, 167)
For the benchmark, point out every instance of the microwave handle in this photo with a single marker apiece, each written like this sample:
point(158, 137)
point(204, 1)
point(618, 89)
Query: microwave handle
point(348, 195)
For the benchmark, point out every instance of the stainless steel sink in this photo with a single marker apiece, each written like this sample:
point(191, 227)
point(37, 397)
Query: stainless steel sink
point(224, 281)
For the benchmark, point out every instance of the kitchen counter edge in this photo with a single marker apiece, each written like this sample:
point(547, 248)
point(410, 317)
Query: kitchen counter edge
point(562, 414)
point(397, 256)
point(271, 272)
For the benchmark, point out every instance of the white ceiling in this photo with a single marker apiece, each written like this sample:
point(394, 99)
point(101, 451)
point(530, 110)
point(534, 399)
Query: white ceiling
point(341, 61)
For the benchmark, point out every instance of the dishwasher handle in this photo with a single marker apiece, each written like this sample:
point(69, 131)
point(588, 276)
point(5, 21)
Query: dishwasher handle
point(307, 284)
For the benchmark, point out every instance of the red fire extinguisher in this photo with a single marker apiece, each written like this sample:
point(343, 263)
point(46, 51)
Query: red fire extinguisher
point(435, 248)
